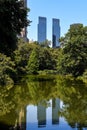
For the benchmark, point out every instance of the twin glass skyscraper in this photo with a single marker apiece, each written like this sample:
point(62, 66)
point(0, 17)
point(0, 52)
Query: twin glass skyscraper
point(55, 33)
point(42, 31)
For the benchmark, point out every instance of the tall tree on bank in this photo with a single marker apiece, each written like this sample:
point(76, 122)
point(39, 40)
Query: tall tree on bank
point(73, 59)
point(13, 17)
point(33, 63)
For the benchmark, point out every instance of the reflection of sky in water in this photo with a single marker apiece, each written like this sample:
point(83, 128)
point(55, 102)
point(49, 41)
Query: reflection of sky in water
point(31, 114)
point(32, 121)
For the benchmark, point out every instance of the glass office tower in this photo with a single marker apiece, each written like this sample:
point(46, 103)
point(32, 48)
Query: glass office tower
point(55, 33)
point(42, 29)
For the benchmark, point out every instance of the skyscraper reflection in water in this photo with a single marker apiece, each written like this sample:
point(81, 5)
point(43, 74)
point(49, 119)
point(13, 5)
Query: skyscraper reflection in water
point(55, 109)
point(41, 115)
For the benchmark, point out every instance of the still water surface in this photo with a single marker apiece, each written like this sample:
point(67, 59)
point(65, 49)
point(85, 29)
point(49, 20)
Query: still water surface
point(44, 103)
point(46, 118)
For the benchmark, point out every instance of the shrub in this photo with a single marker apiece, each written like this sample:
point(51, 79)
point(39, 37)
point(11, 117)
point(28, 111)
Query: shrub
point(7, 71)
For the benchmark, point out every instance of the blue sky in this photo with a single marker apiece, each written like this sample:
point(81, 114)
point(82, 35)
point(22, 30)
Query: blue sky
point(68, 11)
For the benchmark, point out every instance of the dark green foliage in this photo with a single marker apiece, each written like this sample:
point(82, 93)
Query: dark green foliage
point(73, 58)
point(55, 55)
point(33, 63)
point(45, 59)
point(7, 71)
point(12, 19)
point(21, 57)
point(85, 75)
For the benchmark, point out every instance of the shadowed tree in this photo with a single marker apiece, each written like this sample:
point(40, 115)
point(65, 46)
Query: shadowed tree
point(13, 17)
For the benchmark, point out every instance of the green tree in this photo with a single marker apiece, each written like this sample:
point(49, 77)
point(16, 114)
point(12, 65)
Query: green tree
point(13, 17)
point(45, 59)
point(55, 55)
point(73, 58)
point(33, 64)
point(21, 56)
point(46, 43)
point(7, 72)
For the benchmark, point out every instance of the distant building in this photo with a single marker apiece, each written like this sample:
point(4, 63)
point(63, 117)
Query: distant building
point(25, 3)
point(55, 33)
point(23, 33)
point(42, 29)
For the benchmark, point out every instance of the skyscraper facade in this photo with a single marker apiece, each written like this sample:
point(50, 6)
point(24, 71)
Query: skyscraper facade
point(25, 3)
point(55, 33)
point(42, 29)
point(24, 30)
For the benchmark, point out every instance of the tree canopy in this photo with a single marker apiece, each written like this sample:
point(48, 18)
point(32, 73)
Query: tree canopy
point(13, 17)
point(73, 59)
point(33, 63)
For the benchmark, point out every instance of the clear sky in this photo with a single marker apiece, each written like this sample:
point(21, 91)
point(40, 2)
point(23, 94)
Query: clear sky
point(68, 11)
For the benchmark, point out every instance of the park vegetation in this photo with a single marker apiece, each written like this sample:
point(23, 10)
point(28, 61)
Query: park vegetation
point(19, 58)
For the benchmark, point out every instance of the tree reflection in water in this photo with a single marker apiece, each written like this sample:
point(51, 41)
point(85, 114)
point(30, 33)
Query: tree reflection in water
point(33, 90)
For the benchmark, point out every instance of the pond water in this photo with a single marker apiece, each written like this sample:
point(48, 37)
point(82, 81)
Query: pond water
point(46, 118)
point(44, 103)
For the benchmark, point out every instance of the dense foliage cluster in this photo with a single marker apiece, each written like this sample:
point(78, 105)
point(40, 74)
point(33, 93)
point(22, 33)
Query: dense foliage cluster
point(12, 19)
point(7, 71)
point(31, 58)
point(73, 58)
